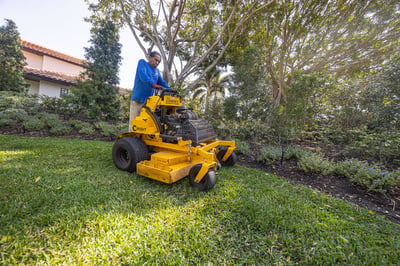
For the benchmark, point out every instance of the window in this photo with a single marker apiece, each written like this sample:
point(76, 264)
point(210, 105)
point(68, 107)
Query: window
point(63, 91)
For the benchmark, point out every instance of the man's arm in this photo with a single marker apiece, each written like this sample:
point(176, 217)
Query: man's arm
point(162, 82)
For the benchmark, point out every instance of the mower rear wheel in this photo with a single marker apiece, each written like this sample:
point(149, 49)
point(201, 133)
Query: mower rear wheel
point(208, 181)
point(127, 152)
point(232, 159)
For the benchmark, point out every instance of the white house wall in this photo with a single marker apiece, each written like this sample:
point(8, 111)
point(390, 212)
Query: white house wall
point(56, 65)
point(51, 89)
point(33, 60)
point(34, 87)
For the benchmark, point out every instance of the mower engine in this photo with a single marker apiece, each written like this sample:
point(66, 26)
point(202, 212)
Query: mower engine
point(185, 124)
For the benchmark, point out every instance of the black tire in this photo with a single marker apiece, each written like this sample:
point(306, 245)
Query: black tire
point(230, 161)
point(127, 152)
point(208, 181)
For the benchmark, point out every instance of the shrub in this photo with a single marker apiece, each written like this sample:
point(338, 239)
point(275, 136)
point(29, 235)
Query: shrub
point(371, 177)
point(56, 126)
point(248, 130)
point(82, 127)
point(4, 121)
point(315, 162)
point(381, 147)
point(9, 99)
point(23, 101)
point(293, 152)
point(106, 129)
point(12, 115)
point(243, 147)
point(55, 105)
point(121, 128)
point(30, 103)
point(33, 123)
point(269, 154)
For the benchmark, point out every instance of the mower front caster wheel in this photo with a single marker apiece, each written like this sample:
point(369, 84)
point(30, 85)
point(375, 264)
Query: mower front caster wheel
point(127, 152)
point(208, 181)
point(232, 159)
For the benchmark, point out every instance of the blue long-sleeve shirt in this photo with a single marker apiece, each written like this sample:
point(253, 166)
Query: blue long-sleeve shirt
point(146, 76)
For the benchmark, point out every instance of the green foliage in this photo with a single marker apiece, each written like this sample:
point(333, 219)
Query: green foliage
point(64, 202)
point(12, 61)
point(97, 94)
point(342, 38)
point(14, 100)
point(109, 130)
point(371, 177)
point(269, 154)
point(43, 121)
point(315, 162)
point(382, 98)
point(243, 147)
point(13, 115)
point(33, 123)
point(211, 88)
point(82, 127)
point(55, 125)
point(305, 100)
point(380, 147)
point(231, 108)
point(244, 130)
point(57, 105)
point(342, 111)
point(125, 101)
point(250, 89)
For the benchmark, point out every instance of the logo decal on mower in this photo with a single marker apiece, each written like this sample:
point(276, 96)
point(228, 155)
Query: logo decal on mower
point(135, 128)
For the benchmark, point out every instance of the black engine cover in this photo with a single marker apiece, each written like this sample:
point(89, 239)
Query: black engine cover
point(197, 131)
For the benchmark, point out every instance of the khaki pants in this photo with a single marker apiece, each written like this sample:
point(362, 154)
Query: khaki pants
point(134, 111)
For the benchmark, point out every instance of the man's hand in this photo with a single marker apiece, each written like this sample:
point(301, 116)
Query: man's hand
point(156, 86)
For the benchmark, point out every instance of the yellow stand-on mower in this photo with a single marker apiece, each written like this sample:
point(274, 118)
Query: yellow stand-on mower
point(169, 142)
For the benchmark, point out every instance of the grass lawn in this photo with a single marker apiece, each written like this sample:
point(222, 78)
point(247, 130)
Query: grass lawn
point(63, 202)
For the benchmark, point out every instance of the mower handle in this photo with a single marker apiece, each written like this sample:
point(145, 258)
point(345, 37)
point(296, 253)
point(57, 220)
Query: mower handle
point(161, 91)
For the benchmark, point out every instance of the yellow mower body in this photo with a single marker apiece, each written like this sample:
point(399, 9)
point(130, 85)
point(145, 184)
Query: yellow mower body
point(168, 142)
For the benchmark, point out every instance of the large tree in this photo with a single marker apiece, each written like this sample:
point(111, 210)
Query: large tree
point(336, 37)
point(250, 88)
point(96, 91)
point(12, 61)
point(186, 32)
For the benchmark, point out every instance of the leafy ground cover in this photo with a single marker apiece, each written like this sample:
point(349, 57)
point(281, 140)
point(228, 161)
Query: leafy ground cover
point(63, 201)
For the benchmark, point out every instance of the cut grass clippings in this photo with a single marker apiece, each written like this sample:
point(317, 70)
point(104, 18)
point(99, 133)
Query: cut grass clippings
point(63, 202)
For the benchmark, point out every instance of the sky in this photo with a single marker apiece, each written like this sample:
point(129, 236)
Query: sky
point(59, 25)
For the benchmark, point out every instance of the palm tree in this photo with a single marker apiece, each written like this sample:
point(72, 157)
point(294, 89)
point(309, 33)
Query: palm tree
point(212, 85)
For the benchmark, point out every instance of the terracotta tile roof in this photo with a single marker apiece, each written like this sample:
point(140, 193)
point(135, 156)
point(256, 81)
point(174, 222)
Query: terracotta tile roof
point(41, 50)
point(37, 74)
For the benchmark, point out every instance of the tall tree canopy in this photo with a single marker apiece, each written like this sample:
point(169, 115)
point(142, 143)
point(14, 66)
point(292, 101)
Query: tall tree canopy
point(12, 61)
point(337, 37)
point(186, 32)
